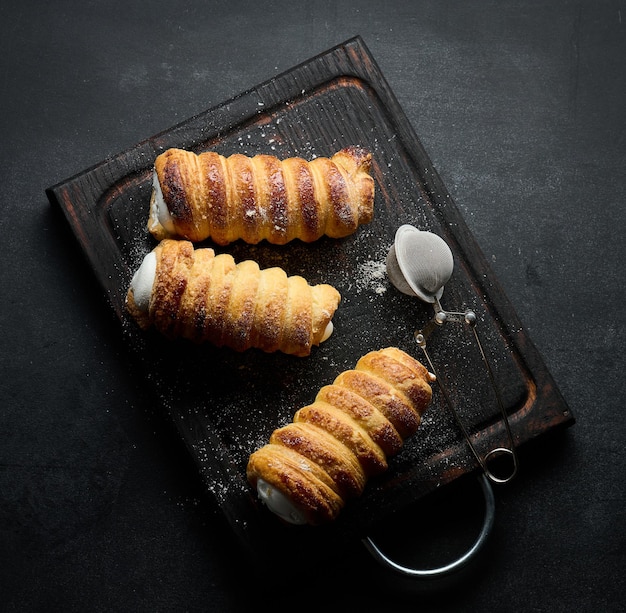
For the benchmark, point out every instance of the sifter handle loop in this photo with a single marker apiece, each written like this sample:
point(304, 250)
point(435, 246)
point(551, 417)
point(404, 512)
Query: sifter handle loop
point(452, 567)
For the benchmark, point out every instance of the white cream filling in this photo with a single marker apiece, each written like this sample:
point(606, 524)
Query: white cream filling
point(279, 504)
point(327, 332)
point(159, 213)
point(143, 280)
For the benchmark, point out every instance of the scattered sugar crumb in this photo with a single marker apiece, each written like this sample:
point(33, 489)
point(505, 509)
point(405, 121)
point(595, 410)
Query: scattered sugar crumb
point(372, 275)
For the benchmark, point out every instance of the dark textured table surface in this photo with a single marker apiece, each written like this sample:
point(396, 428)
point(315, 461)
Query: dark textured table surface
point(521, 107)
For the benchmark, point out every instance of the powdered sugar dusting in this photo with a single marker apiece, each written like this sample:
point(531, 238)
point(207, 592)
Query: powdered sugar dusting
point(372, 276)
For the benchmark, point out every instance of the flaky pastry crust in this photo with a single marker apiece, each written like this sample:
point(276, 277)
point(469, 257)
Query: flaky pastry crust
point(326, 455)
point(205, 297)
point(262, 197)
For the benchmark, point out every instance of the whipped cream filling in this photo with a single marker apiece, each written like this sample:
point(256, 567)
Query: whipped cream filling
point(159, 213)
point(327, 332)
point(143, 280)
point(279, 504)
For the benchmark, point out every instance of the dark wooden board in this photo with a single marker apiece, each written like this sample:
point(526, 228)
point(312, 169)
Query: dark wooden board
point(226, 404)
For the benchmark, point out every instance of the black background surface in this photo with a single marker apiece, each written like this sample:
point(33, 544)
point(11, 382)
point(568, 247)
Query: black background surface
point(520, 106)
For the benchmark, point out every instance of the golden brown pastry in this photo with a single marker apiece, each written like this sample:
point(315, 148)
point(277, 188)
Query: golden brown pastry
point(201, 296)
point(312, 466)
point(254, 198)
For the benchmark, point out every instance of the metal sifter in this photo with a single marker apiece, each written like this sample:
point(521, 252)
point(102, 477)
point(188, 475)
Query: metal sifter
point(420, 263)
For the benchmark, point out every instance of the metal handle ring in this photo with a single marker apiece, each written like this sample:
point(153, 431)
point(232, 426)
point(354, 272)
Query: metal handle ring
point(456, 565)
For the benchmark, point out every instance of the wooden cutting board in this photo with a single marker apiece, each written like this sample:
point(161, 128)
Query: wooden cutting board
point(226, 404)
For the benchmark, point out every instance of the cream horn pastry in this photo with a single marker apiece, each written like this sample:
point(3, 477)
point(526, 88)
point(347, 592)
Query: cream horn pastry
point(195, 294)
point(311, 467)
point(197, 197)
